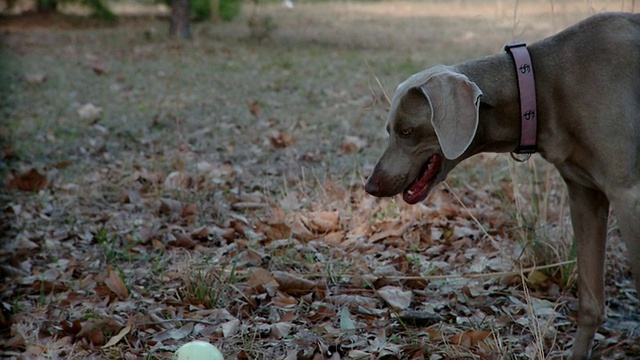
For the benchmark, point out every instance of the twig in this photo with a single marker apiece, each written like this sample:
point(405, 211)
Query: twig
point(384, 92)
point(205, 322)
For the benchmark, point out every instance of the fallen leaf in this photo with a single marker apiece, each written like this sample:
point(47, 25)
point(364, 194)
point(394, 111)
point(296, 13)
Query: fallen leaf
point(292, 284)
point(470, 338)
point(354, 300)
point(35, 350)
point(224, 173)
point(35, 78)
point(285, 302)
point(71, 327)
point(281, 329)
point(230, 328)
point(395, 297)
point(177, 180)
point(346, 323)
point(99, 68)
point(297, 223)
point(31, 180)
point(352, 144)
point(323, 221)
point(333, 238)
point(537, 278)
point(389, 229)
point(254, 108)
point(260, 277)
point(280, 139)
point(89, 112)
point(189, 210)
point(170, 206)
point(175, 333)
point(115, 284)
point(94, 329)
point(119, 336)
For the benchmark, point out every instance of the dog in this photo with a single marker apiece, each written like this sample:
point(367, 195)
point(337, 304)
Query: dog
point(587, 88)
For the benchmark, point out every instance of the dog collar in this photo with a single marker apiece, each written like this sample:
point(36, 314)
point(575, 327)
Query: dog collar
point(527, 94)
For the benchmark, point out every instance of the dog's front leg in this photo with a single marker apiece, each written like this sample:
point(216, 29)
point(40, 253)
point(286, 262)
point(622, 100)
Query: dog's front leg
point(589, 214)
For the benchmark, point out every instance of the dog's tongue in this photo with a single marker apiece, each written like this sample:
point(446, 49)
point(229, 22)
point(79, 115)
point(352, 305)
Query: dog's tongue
point(419, 189)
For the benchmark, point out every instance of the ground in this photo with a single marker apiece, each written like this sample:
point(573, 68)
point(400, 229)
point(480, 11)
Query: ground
point(158, 191)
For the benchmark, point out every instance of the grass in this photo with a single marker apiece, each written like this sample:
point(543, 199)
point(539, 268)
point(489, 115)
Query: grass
point(202, 111)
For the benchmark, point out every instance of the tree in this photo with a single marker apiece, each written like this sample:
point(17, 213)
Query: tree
point(180, 19)
point(99, 8)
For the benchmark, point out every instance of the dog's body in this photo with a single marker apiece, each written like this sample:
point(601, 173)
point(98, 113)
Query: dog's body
point(588, 97)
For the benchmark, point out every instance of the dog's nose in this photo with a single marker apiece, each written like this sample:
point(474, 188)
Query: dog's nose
point(372, 186)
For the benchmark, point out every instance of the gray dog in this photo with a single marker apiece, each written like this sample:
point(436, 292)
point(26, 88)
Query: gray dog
point(587, 84)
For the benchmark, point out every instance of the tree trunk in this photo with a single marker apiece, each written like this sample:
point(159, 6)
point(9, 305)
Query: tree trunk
point(47, 5)
point(180, 19)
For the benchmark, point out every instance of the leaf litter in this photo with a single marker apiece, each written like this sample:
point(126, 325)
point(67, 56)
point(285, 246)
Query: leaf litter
point(154, 243)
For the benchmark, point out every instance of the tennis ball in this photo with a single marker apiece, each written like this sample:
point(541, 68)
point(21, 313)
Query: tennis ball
point(198, 350)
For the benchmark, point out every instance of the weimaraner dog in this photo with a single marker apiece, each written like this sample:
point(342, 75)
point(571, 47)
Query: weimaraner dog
point(587, 83)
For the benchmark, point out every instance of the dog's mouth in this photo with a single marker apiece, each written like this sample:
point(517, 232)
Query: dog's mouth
point(420, 187)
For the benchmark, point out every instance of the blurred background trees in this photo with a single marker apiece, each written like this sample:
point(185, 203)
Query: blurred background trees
point(192, 10)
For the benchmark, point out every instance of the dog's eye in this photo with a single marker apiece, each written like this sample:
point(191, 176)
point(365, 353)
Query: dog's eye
point(406, 132)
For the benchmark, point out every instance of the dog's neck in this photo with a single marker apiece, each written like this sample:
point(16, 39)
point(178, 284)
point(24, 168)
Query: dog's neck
point(499, 127)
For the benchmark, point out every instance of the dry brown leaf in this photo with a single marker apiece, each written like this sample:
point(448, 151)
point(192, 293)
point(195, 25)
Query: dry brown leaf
point(323, 311)
point(189, 210)
point(537, 278)
point(115, 284)
point(177, 180)
point(292, 284)
point(296, 222)
point(175, 333)
point(31, 180)
point(283, 301)
point(354, 300)
point(17, 338)
point(157, 244)
point(334, 238)
point(119, 336)
point(93, 329)
point(352, 144)
point(470, 338)
point(323, 221)
point(170, 206)
point(35, 350)
point(99, 68)
point(148, 179)
point(280, 139)
point(223, 173)
point(89, 112)
point(281, 329)
point(395, 297)
point(254, 108)
point(389, 229)
point(230, 328)
point(260, 276)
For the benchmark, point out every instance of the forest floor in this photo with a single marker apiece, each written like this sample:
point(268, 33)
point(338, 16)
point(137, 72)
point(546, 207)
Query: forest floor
point(158, 191)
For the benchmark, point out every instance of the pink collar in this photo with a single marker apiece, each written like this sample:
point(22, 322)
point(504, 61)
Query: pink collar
point(527, 90)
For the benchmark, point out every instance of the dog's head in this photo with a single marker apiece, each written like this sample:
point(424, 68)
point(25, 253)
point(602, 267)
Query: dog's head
point(432, 121)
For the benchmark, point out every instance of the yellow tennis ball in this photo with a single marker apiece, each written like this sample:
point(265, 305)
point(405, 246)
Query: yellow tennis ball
point(198, 350)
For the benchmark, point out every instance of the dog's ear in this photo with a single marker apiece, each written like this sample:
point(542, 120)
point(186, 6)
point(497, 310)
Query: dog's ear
point(455, 108)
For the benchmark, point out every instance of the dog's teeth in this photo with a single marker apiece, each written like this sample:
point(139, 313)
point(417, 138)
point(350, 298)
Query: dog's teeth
point(410, 192)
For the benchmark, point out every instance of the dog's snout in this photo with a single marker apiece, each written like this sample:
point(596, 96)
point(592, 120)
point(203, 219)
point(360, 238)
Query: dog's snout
point(372, 186)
